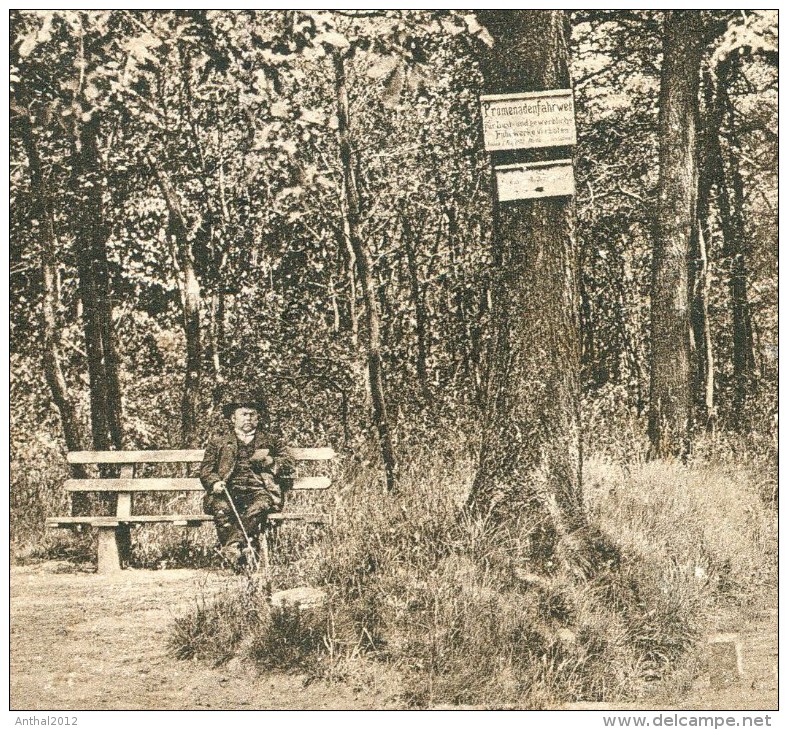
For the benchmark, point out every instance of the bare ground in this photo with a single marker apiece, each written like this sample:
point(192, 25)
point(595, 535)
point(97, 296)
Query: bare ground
point(82, 641)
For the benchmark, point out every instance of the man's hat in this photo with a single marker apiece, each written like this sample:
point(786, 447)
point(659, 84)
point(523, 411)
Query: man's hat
point(244, 399)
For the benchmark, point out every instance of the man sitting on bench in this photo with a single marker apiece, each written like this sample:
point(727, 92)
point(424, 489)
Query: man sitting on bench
point(239, 487)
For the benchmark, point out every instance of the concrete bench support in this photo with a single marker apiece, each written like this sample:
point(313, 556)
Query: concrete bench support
point(112, 543)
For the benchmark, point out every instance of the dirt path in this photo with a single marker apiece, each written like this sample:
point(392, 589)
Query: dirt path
point(85, 641)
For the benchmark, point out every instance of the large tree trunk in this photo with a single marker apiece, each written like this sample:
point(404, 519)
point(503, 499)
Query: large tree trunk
point(42, 213)
point(670, 400)
point(352, 215)
point(190, 304)
point(530, 464)
point(94, 290)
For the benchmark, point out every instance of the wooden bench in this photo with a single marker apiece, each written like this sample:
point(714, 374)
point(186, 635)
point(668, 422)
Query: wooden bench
point(114, 534)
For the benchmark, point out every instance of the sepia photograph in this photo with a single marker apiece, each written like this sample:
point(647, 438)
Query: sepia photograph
point(394, 360)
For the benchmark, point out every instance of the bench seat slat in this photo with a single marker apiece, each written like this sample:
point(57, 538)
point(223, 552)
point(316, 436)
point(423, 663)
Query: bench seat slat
point(173, 456)
point(110, 521)
point(168, 484)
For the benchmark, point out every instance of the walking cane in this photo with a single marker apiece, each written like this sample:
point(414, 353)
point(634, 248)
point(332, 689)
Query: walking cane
point(246, 535)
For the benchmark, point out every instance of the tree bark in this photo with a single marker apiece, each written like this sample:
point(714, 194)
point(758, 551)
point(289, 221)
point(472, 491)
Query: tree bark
point(352, 217)
point(670, 403)
point(190, 304)
point(350, 269)
point(217, 333)
point(700, 273)
point(735, 254)
point(42, 213)
point(94, 290)
point(420, 311)
point(530, 465)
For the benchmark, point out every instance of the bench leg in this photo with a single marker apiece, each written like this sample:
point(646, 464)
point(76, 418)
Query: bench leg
point(109, 550)
point(123, 539)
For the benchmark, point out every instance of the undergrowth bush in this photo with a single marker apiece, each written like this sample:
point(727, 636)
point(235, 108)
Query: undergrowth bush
point(37, 472)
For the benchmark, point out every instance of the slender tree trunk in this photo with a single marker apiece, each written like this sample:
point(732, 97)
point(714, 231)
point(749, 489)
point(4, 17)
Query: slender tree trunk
point(531, 451)
point(630, 349)
point(91, 257)
point(191, 328)
point(588, 354)
point(332, 294)
point(730, 201)
point(217, 344)
point(701, 347)
point(350, 267)
point(382, 274)
point(42, 213)
point(351, 215)
point(670, 399)
point(190, 301)
point(700, 273)
point(735, 253)
point(418, 305)
point(218, 262)
point(217, 334)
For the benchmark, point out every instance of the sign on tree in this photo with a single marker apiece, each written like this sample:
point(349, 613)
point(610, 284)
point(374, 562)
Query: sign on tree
point(528, 119)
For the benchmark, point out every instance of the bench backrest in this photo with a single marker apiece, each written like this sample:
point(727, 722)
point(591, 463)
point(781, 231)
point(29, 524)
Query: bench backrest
point(182, 456)
point(129, 459)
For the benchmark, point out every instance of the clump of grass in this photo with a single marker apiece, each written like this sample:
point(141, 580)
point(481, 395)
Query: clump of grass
point(473, 640)
point(240, 622)
point(214, 627)
point(74, 546)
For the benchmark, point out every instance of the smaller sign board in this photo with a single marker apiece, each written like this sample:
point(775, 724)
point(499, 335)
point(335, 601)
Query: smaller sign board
point(528, 120)
point(535, 180)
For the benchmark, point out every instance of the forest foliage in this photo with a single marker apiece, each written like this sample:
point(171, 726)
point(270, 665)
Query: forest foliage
point(180, 224)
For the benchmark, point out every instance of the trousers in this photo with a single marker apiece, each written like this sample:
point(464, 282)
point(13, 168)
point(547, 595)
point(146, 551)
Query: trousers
point(253, 506)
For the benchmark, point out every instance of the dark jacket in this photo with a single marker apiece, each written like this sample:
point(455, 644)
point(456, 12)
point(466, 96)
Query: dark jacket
point(221, 455)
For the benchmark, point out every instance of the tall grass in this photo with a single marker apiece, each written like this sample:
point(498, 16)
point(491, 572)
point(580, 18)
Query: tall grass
point(37, 473)
point(443, 597)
